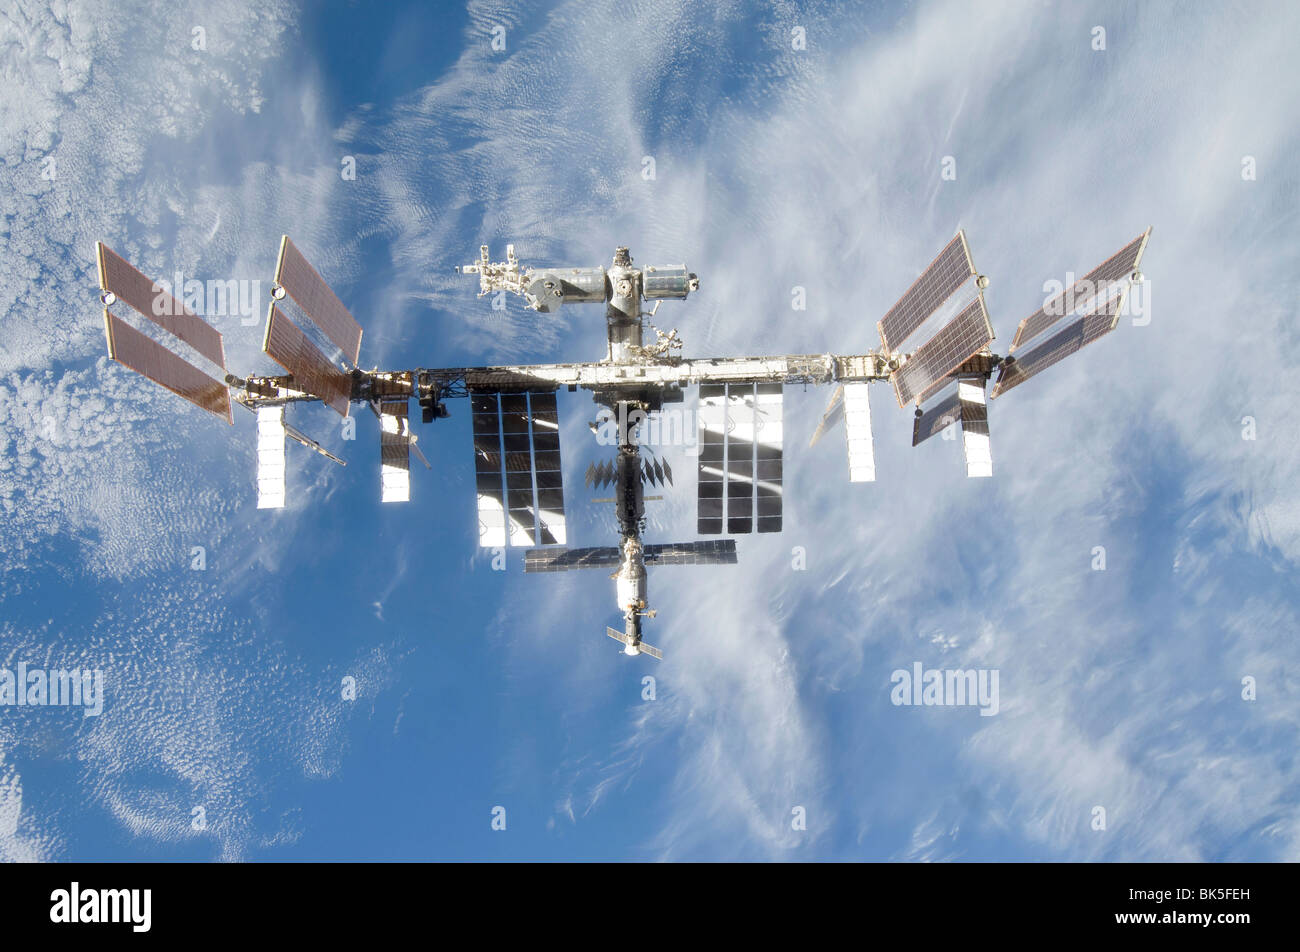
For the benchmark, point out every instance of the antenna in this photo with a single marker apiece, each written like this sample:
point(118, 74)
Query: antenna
point(299, 437)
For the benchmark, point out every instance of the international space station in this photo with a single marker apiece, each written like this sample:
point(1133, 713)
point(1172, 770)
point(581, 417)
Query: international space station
point(515, 421)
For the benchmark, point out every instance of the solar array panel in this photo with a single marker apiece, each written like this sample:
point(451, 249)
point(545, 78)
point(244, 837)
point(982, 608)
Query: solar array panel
point(270, 458)
point(312, 372)
point(936, 419)
point(489, 469)
point(948, 272)
point(146, 356)
point(567, 560)
point(1117, 267)
point(626, 639)
point(601, 474)
point(547, 471)
point(707, 552)
point(1079, 333)
point(711, 481)
point(518, 474)
point(740, 463)
point(927, 369)
point(141, 293)
point(740, 457)
point(299, 279)
point(521, 508)
point(395, 450)
point(769, 439)
point(656, 472)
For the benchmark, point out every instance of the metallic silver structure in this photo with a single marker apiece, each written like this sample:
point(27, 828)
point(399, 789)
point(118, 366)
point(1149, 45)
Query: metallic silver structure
point(515, 418)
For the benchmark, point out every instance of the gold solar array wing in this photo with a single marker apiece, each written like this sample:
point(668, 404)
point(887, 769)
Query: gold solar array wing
point(146, 356)
point(131, 287)
point(119, 280)
point(312, 371)
point(301, 282)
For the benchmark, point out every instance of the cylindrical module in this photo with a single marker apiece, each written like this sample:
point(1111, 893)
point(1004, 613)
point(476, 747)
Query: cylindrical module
point(582, 285)
point(669, 282)
point(548, 289)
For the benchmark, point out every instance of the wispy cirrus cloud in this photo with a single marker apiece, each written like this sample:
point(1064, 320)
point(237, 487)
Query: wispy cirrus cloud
point(822, 170)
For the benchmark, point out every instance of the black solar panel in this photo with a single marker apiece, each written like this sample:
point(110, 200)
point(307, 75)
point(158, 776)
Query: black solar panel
point(741, 438)
point(518, 472)
point(567, 560)
point(707, 552)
